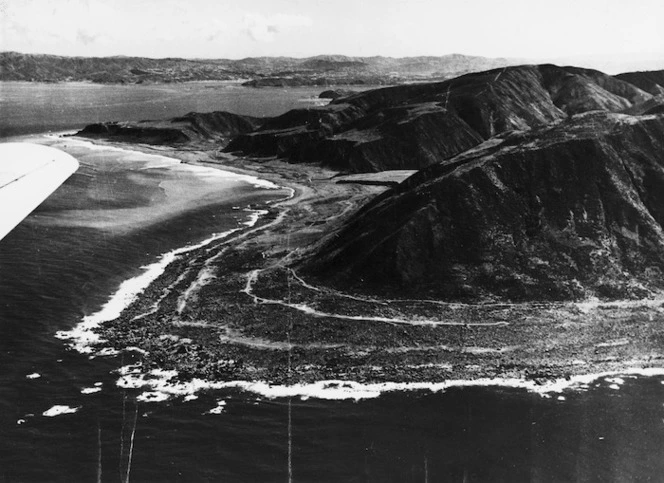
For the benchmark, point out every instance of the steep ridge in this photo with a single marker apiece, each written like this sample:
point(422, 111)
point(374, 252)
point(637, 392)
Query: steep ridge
point(565, 211)
point(413, 126)
point(216, 126)
point(649, 81)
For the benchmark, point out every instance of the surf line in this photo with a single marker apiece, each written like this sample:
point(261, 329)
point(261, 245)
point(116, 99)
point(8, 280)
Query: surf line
point(83, 336)
point(252, 277)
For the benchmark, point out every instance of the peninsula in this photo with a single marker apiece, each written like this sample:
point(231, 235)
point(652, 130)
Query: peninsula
point(501, 224)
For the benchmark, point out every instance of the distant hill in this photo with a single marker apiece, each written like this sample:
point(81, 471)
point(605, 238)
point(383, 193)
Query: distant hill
point(264, 71)
point(51, 68)
point(650, 81)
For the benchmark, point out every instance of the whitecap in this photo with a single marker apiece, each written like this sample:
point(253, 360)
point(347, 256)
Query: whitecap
point(57, 410)
point(90, 390)
point(221, 406)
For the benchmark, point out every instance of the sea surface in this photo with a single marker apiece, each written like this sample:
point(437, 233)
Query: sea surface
point(64, 418)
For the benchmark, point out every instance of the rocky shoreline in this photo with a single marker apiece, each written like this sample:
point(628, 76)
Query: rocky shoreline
point(249, 315)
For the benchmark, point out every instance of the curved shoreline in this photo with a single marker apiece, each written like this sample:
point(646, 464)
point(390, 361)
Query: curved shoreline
point(83, 336)
point(528, 346)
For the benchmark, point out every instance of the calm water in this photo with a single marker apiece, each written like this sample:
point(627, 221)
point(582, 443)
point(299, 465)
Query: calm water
point(36, 107)
point(123, 210)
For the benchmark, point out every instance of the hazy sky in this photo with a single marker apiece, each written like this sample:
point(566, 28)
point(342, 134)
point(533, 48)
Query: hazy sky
point(242, 28)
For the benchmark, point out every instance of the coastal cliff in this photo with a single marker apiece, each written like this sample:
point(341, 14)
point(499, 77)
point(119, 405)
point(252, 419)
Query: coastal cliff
point(414, 126)
point(560, 212)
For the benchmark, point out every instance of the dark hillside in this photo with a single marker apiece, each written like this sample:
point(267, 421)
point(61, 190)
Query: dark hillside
point(560, 212)
point(649, 81)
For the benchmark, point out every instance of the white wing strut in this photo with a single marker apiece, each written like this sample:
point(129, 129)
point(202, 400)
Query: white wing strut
point(29, 173)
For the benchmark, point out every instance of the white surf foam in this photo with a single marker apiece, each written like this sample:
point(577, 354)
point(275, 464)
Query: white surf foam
point(254, 216)
point(157, 161)
point(152, 396)
point(58, 410)
point(166, 384)
point(90, 390)
point(245, 178)
point(220, 408)
point(82, 337)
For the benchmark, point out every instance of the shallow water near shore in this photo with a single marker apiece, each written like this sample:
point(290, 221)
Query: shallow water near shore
point(63, 416)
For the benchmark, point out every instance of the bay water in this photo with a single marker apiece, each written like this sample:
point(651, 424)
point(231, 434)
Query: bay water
point(63, 417)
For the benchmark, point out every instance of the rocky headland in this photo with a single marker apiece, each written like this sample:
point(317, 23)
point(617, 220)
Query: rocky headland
point(528, 243)
point(217, 127)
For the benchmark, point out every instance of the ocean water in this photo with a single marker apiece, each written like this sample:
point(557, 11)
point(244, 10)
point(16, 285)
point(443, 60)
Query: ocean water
point(63, 416)
point(42, 107)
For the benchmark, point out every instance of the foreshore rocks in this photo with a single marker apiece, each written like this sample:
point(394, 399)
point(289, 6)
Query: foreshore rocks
point(216, 126)
point(561, 212)
point(417, 125)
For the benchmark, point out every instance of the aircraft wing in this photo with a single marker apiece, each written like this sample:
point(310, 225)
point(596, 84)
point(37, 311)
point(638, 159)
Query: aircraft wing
point(29, 173)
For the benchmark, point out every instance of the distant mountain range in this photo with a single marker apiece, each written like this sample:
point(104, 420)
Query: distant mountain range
point(259, 71)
